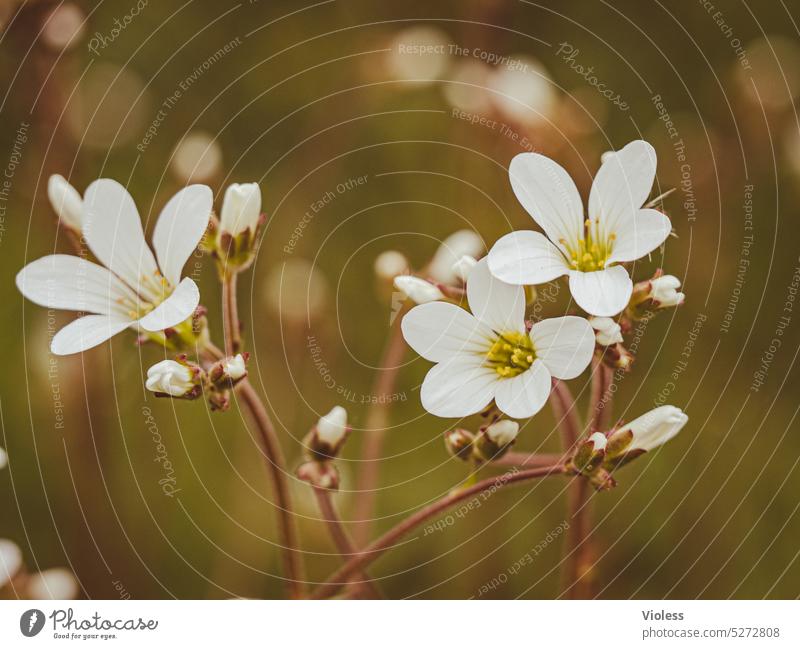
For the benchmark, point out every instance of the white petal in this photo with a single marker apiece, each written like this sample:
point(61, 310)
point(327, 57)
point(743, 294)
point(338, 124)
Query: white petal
point(180, 227)
point(526, 257)
point(66, 201)
point(113, 230)
point(622, 185)
point(72, 283)
point(458, 244)
point(417, 289)
point(439, 330)
point(524, 395)
point(175, 309)
point(565, 345)
point(603, 292)
point(549, 195)
point(87, 332)
point(459, 387)
point(499, 305)
point(645, 232)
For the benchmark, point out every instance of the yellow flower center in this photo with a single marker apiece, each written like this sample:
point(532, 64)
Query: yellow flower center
point(593, 250)
point(511, 354)
point(151, 292)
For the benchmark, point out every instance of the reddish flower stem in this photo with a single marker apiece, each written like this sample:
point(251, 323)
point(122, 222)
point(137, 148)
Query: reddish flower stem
point(341, 577)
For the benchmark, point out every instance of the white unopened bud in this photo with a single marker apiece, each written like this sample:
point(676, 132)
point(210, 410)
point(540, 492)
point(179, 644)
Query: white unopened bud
point(171, 378)
point(664, 291)
point(389, 264)
point(452, 249)
point(655, 427)
point(463, 266)
point(332, 428)
point(3, 458)
point(10, 561)
point(56, 583)
point(607, 331)
point(241, 208)
point(418, 290)
point(599, 441)
point(235, 368)
point(503, 432)
point(66, 202)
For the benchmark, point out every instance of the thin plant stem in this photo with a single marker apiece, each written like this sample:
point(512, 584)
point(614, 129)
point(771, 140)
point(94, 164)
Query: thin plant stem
point(528, 460)
point(276, 463)
point(379, 546)
point(575, 580)
point(566, 414)
point(231, 314)
point(342, 540)
point(376, 424)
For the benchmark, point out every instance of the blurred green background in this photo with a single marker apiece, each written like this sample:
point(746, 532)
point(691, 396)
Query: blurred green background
point(304, 97)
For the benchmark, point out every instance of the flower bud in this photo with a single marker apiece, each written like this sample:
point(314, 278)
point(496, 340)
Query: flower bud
point(173, 379)
point(327, 437)
point(493, 441)
point(462, 267)
point(66, 202)
point(458, 443)
point(389, 264)
point(10, 561)
point(452, 249)
point(590, 454)
point(229, 371)
point(644, 434)
point(664, 293)
point(417, 290)
point(241, 208)
point(607, 331)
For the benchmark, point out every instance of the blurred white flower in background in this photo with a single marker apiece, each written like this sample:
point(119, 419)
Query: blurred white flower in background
point(418, 53)
point(390, 263)
point(524, 91)
point(775, 67)
point(450, 251)
point(197, 158)
point(55, 583)
point(466, 88)
point(63, 27)
point(10, 561)
point(3, 458)
point(296, 290)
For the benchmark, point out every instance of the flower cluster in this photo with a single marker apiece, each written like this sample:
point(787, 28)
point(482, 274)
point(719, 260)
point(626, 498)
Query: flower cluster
point(491, 358)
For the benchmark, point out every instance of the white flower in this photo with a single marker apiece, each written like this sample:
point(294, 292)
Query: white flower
point(463, 266)
point(130, 289)
point(241, 208)
point(589, 251)
point(655, 427)
point(489, 354)
point(608, 331)
point(451, 250)
point(3, 458)
point(55, 583)
point(390, 263)
point(664, 293)
point(66, 201)
point(170, 377)
point(503, 432)
point(417, 289)
point(599, 441)
point(10, 561)
point(235, 368)
point(332, 427)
